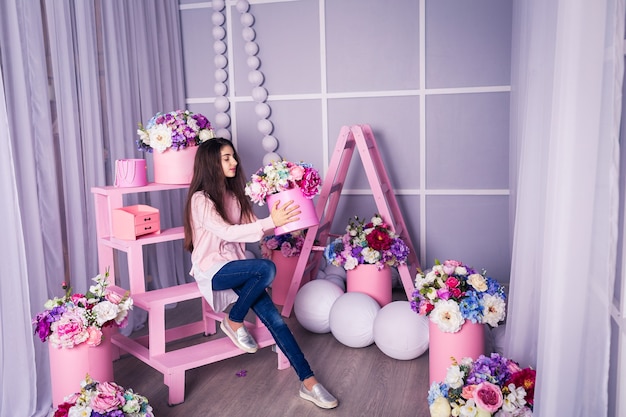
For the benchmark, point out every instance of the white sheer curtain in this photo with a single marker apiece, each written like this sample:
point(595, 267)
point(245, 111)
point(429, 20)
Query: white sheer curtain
point(76, 77)
point(566, 94)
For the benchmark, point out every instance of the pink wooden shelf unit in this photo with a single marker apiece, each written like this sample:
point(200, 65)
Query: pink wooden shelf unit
point(151, 349)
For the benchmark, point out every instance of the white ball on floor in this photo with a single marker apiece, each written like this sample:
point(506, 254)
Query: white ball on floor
point(399, 332)
point(335, 270)
point(313, 303)
point(337, 280)
point(352, 319)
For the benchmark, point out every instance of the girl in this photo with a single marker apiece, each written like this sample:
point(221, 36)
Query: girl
point(218, 222)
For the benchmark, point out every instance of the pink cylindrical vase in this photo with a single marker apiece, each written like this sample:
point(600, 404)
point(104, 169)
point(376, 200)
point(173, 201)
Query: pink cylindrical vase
point(68, 367)
point(469, 342)
point(174, 167)
point(307, 216)
point(370, 280)
point(285, 267)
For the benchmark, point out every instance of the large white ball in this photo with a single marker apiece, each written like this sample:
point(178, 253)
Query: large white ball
point(352, 319)
point(336, 279)
point(335, 270)
point(270, 157)
point(269, 143)
point(399, 332)
point(313, 303)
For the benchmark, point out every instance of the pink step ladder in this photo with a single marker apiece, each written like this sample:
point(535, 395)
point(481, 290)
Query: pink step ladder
point(358, 137)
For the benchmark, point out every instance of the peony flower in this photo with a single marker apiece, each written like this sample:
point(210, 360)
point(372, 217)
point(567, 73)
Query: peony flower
point(454, 377)
point(94, 336)
point(109, 397)
point(105, 311)
point(488, 396)
point(440, 408)
point(478, 282)
point(70, 330)
point(494, 309)
point(447, 316)
point(160, 138)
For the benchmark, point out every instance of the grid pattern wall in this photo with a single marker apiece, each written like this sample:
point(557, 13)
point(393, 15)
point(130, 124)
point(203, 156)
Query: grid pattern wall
point(432, 79)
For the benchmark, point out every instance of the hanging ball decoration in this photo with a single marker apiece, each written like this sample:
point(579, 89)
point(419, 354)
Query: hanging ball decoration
point(269, 143)
point(217, 18)
point(262, 110)
point(259, 94)
point(253, 62)
point(222, 104)
point(219, 33)
point(252, 48)
point(219, 47)
point(247, 19)
point(270, 157)
point(220, 61)
point(248, 34)
point(243, 6)
point(265, 126)
point(221, 75)
point(222, 119)
point(223, 133)
point(220, 89)
point(256, 78)
point(217, 5)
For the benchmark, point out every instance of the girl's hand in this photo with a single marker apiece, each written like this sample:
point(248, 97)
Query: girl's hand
point(286, 214)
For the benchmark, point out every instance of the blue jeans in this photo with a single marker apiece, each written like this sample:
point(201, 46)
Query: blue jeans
point(249, 278)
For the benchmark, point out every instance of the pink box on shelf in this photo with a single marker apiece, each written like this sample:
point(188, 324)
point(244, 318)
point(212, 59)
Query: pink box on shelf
point(133, 221)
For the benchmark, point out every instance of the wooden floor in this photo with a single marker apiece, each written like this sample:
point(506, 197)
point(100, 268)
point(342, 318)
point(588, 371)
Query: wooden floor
point(365, 380)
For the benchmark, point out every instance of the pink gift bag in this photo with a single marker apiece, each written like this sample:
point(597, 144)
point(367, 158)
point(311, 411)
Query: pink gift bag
point(130, 173)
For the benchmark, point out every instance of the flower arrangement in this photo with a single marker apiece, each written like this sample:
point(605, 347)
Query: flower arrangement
point(482, 387)
point(104, 399)
point(76, 318)
point(451, 293)
point(280, 176)
point(289, 244)
point(177, 130)
point(372, 243)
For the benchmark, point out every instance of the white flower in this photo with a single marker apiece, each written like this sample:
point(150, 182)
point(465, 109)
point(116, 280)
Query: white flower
point(440, 408)
point(105, 311)
point(143, 136)
point(469, 409)
point(494, 309)
point(377, 220)
point(370, 255)
point(478, 282)
point(454, 377)
point(206, 134)
point(78, 411)
point(515, 399)
point(351, 263)
point(160, 138)
point(447, 316)
point(460, 270)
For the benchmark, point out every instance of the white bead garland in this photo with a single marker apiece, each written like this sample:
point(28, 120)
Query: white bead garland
point(222, 104)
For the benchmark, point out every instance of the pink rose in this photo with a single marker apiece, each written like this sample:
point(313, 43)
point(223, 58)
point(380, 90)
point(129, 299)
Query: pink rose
point(452, 282)
point(449, 266)
point(296, 172)
point(488, 396)
point(310, 183)
point(95, 336)
point(113, 297)
point(425, 307)
point(468, 392)
point(110, 397)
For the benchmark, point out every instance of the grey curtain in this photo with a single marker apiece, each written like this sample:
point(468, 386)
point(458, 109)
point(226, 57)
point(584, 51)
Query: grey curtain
point(76, 78)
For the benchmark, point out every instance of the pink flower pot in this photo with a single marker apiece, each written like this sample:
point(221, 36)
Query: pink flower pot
point(469, 342)
point(368, 279)
point(68, 367)
point(174, 167)
point(307, 217)
point(285, 267)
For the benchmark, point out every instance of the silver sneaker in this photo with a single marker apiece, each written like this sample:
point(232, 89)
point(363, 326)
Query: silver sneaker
point(319, 396)
point(241, 338)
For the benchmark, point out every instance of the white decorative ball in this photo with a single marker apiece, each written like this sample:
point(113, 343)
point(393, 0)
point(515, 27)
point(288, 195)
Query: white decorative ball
point(248, 34)
point(223, 133)
point(336, 270)
point(352, 319)
point(217, 18)
point(399, 332)
point(252, 48)
point(217, 5)
point(243, 6)
point(337, 280)
point(256, 77)
point(218, 33)
point(313, 303)
point(220, 75)
point(222, 119)
point(265, 126)
point(220, 89)
point(270, 157)
point(247, 19)
point(220, 61)
point(253, 62)
point(262, 110)
point(219, 47)
point(222, 104)
point(269, 143)
point(259, 94)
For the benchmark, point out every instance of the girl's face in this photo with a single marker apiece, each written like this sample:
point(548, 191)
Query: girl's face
point(229, 163)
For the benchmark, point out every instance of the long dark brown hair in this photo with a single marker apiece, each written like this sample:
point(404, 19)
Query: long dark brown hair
point(208, 177)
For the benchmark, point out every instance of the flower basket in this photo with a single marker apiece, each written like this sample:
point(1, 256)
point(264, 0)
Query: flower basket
point(307, 216)
point(484, 386)
point(372, 281)
point(174, 167)
point(103, 399)
point(284, 250)
point(468, 342)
